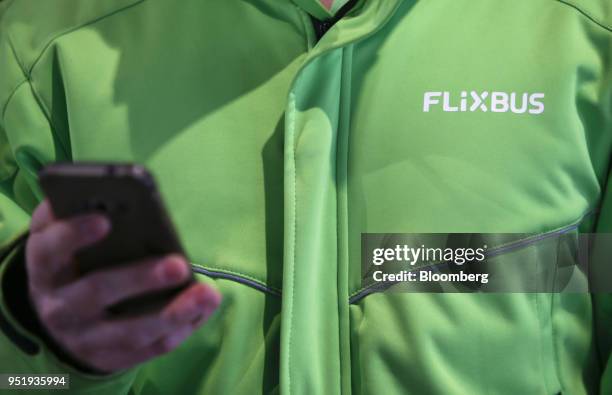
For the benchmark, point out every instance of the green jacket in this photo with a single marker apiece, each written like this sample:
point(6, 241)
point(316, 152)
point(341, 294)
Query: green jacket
point(275, 151)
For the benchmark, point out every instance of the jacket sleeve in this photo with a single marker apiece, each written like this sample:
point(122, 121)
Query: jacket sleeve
point(27, 141)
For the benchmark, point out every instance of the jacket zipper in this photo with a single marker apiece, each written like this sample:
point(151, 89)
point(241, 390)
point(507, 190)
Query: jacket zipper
point(321, 27)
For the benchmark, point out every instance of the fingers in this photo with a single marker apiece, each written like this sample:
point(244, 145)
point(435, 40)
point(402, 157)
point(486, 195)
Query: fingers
point(74, 309)
point(111, 345)
point(195, 304)
point(198, 298)
point(99, 290)
point(42, 216)
point(53, 245)
point(112, 360)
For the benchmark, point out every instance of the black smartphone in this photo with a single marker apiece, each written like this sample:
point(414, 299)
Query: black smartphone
point(128, 196)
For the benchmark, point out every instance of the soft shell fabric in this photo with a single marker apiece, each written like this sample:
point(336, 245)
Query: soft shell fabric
point(274, 153)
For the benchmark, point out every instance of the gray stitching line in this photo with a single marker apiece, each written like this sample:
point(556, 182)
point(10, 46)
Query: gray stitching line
point(524, 243)
point(377, 287)
point(236, 278)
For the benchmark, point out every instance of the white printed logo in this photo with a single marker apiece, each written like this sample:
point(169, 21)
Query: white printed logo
point(532, 103)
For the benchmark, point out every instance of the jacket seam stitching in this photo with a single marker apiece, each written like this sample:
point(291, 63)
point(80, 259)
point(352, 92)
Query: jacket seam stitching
point(338, 215)
point(531, 240)
point(310, 39)
point(586, 14)
point(540, 340)
point(27, 72)
point(75, 28)
point(555, 349)
point(294, 171)
point(362, 292)
point(14, 51)
point(241, 274)
point(41, 106)
point(10, 96)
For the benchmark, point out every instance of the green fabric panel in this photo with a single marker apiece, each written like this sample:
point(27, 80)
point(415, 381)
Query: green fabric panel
point(275, 153)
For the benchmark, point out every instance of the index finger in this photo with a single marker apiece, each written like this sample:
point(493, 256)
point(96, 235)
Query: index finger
point(42, 216)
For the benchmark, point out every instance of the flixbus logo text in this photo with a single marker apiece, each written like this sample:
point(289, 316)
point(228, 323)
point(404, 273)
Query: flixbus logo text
point(473, 101)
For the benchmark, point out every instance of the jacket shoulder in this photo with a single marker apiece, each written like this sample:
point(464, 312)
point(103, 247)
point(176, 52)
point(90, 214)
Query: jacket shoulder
point(29, 26)
point(599, 11)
